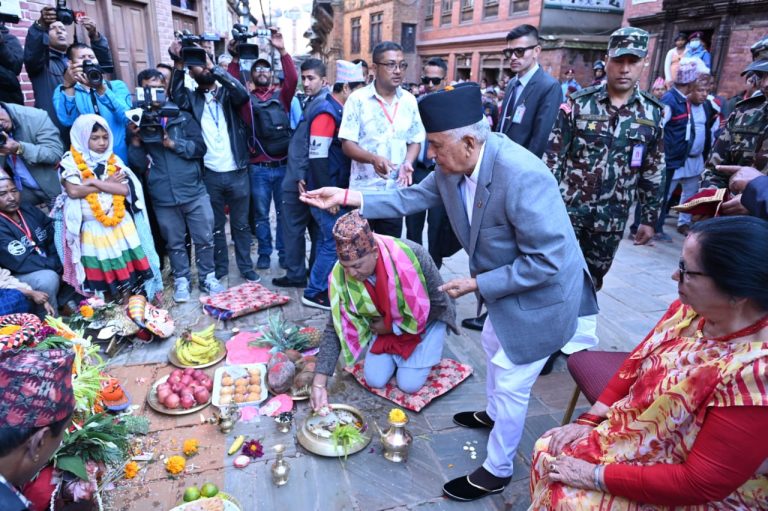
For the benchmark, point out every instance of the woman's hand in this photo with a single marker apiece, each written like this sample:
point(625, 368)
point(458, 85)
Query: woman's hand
point(117, 177)
point(572, 472)
point(566, 435)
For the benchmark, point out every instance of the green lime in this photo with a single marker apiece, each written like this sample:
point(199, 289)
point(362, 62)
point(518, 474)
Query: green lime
point(209, 490)
point(191, 493)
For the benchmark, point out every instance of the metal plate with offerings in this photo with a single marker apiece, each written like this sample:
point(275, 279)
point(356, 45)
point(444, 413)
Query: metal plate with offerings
point(342, 432)
point(173, 358)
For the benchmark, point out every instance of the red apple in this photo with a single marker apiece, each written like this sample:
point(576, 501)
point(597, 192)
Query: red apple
point(172, 401)
point(186, 379)
point(187, 401)
point(202, 396)
point(189, 371)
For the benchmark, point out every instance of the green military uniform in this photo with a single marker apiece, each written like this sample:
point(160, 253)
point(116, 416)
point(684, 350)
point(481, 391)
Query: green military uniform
point(603, 156)
point(744, 141)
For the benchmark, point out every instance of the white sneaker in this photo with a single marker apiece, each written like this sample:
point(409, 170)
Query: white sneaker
point(211, 285)
point(181, 290)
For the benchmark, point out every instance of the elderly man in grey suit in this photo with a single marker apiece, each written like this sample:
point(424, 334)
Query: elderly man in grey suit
point(31, 149)
point(530, 104)
point(524, 261)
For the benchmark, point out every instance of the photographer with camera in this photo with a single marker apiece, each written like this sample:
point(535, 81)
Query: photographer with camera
point(268, 124)
point(46, 60)
point(31, 148)
point(86, 91)
point(167, 147)
point(215, 108)
point(10, 67)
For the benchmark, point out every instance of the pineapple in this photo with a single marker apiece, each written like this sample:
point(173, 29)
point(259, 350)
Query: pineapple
point(282, 335)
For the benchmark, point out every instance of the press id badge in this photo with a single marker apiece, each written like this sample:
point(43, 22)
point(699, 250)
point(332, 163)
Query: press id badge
point(687, 131)
point(517, 118)
point(638, 151)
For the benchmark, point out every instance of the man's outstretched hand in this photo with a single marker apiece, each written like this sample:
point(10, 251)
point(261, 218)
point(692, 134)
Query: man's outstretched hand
point(330, 197)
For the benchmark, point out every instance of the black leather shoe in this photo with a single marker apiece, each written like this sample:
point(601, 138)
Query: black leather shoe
point(473, 420)
point(468, 488)
point(286, 282)
point(551, 362)
point(474, 323)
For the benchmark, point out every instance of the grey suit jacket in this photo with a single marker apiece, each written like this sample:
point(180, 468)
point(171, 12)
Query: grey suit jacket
point(542, 98)
point(36, 132)
point(522, 249)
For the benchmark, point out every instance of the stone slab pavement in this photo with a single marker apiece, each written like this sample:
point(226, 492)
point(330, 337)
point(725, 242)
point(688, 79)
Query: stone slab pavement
point(636, 292)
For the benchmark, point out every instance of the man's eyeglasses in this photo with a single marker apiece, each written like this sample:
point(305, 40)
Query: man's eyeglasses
point(434, 80)
point(390, 66)
point(518, 52)
point(684, 272)
point(262, 69)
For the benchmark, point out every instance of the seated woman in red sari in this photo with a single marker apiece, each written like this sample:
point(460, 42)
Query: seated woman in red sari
point(682, 423)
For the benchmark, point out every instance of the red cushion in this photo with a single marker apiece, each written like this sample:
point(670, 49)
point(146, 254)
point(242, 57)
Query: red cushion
point(592, 370)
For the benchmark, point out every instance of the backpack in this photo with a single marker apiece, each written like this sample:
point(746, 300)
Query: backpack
point(271, 126)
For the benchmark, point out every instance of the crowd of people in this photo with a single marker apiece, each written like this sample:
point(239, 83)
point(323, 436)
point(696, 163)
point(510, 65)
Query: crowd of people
point(536, 182)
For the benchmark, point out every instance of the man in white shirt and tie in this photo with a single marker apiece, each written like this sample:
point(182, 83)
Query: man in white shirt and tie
point(530, 104)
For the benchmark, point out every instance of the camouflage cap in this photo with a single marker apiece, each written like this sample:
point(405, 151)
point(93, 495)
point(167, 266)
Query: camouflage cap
point(760, 49)
point(628, 41)
point(759, 57)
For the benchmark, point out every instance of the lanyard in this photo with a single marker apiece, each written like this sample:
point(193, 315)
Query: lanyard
point(394, 114)
point(25, 230)
point(211, 110)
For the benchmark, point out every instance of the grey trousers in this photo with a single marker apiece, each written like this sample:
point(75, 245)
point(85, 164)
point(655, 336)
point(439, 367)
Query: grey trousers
point(47, 281)
point(174, 221)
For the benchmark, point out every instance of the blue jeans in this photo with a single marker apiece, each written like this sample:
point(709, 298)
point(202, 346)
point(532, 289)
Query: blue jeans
point(325, 256)
point(266, 187)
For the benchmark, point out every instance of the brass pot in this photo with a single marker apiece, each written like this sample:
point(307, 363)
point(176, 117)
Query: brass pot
point(396, 441)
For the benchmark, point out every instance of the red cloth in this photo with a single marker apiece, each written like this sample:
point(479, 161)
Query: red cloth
point(286, 95)
point(393, 344)
point(323, 126)
point(727, 452)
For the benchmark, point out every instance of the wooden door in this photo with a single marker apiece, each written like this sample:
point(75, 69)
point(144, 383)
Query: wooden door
point(183, 22)
point(130, 40)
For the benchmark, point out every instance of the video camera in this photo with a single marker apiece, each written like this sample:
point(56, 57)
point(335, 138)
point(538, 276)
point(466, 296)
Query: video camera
point(63, 13)
point(246, 50)
point(10, 11)
point(191, 54)
point(150, 106)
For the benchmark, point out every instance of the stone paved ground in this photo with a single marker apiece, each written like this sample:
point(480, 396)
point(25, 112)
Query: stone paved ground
point(636, 292)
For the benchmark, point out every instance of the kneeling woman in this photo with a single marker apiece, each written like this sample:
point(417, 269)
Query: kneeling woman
point(384, 293)
point(108, 247)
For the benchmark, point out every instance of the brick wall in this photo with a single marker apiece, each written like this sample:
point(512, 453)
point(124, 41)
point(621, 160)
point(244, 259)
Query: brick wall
point(164, 32)
point(633, 9)
point(30, 13)
point(391, 30)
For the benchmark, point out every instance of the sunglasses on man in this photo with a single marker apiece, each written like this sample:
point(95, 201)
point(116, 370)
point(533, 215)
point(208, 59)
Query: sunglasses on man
point(517, 52)
point(434, 80)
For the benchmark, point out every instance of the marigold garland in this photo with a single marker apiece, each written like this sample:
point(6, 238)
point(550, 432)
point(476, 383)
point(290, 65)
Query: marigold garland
point(118, 201)
point(175, 465)
point(131, 469)
point(190, 446)
point(86, 311)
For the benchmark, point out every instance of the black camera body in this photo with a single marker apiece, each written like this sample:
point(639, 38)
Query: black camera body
point(93, 73)
point(63, 13)
point(246, 50)
point(154, 106)
point(191, 54)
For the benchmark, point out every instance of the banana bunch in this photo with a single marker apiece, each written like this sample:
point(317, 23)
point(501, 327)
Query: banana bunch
point(197, 348)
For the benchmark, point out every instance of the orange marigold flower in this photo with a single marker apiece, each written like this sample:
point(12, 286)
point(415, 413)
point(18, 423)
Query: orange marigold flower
point(131, 469)
point(175, 465)
point(86, 311)
point(190, 446)
point(397, 415)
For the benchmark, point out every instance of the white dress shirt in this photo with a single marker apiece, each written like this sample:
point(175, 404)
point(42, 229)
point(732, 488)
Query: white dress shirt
point(469, 186)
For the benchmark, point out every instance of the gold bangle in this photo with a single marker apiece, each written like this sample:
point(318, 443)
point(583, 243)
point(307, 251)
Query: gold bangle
point(318, 386)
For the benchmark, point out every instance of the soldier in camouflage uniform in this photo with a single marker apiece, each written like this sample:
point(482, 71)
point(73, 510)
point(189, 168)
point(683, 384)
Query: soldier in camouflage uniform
point(607, 148)
point(744, 141)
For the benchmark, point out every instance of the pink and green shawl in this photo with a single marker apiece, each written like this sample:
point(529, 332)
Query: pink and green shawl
point(352, 307)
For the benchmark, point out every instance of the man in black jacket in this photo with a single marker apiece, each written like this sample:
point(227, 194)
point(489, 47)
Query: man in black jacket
point(175, 184)
point(46, 60)
point(26, 244)
point(10, 67)
point(226, 159)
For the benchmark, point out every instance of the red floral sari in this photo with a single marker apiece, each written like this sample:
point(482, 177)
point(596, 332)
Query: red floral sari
point(677, 376)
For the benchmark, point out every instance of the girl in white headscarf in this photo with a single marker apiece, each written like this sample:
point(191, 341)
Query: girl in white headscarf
point(107, 244)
